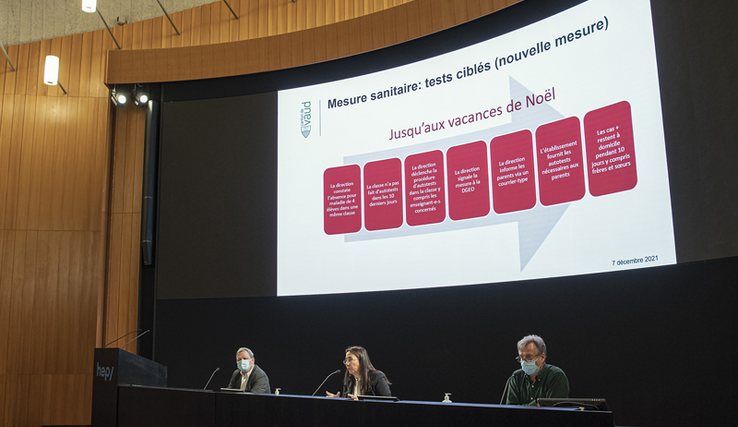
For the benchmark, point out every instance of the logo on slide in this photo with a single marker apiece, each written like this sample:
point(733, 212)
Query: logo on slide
point(305, 118)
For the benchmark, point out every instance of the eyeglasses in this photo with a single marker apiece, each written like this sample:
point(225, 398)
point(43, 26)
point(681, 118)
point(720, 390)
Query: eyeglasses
point(526, 359)
point(349, 360)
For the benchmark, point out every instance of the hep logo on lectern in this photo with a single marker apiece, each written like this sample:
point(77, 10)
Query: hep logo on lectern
point(305, 118)
point(104, 372)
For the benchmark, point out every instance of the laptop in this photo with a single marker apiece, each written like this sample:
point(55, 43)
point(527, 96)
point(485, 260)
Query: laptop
point(583, 403)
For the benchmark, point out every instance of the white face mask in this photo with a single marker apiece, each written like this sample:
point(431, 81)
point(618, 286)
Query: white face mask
point(243, 365)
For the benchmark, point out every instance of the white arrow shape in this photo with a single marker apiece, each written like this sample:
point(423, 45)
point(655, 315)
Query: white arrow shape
point(534, 225)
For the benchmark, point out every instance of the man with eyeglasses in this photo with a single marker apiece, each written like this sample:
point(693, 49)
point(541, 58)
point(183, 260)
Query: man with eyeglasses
point(248, 377)
point(535, 379)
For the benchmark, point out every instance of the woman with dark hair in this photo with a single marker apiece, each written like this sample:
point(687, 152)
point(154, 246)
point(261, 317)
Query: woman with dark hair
point(361, 377)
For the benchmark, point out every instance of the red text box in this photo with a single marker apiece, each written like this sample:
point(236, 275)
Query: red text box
point(342, 199)
point(468, 181)
point(383, 194)
point(611, 165)
point(560, 166)
point(425, 190)
point(513, 172)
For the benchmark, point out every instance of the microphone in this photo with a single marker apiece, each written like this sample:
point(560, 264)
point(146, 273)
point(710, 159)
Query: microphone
point(326, 379)
point(504, 392)
point(137, 330)
point(137, 337)
point(211, 378)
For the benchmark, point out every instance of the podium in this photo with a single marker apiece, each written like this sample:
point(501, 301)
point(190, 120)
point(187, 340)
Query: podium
point(114, 367)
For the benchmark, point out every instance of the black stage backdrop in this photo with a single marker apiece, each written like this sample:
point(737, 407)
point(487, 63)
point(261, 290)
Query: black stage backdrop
point(656, 342)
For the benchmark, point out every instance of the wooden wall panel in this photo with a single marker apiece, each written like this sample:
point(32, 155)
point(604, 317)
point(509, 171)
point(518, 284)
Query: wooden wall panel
point(34, 191)
point(7, 244)
point(2, 398)
point(59, 112)
point(51, 184)
point(46, 290)
point(121, 291)
point(11, 200)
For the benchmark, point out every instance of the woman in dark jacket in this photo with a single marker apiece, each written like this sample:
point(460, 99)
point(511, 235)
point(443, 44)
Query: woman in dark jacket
point(361, 377)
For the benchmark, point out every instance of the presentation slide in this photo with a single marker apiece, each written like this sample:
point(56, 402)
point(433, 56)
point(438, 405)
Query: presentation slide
point(538, 153)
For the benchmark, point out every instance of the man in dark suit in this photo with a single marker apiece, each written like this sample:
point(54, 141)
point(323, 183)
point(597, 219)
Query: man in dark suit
point(248, 377)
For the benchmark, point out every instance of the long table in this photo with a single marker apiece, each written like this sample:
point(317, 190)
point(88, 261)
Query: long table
point(142, 406)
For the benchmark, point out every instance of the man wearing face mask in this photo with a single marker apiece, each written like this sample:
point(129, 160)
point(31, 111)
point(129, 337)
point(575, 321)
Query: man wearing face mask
point(248, 377)
point(535, 379)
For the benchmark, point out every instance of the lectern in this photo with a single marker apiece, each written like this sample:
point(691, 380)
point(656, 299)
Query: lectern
point(114, 367)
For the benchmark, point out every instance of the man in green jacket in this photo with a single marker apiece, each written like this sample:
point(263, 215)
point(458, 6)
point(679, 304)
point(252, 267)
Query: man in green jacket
point(535, 379)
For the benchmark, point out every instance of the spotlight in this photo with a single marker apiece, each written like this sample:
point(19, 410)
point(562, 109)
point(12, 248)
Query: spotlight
point(119, 96)
point(140, 96)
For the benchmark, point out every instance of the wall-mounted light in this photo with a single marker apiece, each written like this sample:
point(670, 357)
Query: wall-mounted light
point(140, 95)
point(90, 6)
point(51, 72)
point(119, 96)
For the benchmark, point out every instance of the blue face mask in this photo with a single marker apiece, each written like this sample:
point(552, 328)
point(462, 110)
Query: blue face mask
point(244, 365)
point(529, 367)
